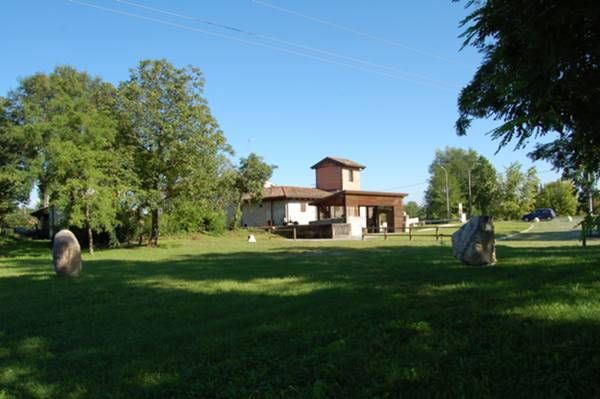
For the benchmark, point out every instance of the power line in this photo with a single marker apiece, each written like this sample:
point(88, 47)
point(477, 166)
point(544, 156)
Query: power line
point(442, 84)
point(355, 31)
point(427, 182)
point(406, 186)
point(252, 43)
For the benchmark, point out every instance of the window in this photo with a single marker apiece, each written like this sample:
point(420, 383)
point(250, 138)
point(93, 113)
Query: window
point(354, 211)
point(303, 207)
point(350, 175)
point(324, 212)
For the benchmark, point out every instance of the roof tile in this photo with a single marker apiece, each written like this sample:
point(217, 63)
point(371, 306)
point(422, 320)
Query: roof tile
point(340, 161)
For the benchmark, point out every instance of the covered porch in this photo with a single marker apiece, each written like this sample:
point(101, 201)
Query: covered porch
point(374, 211)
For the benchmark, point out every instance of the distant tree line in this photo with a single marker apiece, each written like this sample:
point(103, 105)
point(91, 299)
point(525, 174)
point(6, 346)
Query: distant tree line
point(505, 195)
point(132, 161)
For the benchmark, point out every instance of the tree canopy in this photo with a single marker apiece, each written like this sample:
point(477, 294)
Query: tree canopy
point(250, 178)
point(16, 175)
point(560, 196)
point(69, 122)
point(413, 209)
point(459, 163)
point(506, 195)
point(517, 192)
point(176, 143)
point(117, 160)
point(539, 77)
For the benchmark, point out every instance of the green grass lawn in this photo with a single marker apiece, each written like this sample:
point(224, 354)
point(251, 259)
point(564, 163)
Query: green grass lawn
point(219, 317)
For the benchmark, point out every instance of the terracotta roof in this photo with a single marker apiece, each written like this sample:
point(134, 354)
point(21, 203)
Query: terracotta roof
point(291, 192)
point(374, 193)
point(339, 161)
point(339, 195)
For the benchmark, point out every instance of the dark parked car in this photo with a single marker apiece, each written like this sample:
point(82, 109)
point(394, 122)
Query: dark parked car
point(542, 214)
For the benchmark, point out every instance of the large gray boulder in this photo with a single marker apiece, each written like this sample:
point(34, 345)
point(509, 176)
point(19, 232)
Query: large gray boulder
point(66, 254)
point(475, 242)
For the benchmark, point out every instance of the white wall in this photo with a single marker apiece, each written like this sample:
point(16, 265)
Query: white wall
point(295, 213)
point(350, 185)
point(412, 221)
point(278, 212)
point(358, 222)
point(258, 215)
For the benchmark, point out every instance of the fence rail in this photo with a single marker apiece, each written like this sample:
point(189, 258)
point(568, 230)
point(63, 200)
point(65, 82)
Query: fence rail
point(411, 229)
point(382, 233)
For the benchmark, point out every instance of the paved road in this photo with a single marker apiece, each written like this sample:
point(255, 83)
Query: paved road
point(560, 229)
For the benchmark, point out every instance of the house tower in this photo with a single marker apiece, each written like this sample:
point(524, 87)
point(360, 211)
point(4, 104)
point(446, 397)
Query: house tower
point(337, 174)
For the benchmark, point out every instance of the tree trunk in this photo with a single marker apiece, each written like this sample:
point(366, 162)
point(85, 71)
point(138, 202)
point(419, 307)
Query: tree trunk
point(140, 221)
point(91, 240)
point(237, 214)
point(89, 231)
point(155, 228)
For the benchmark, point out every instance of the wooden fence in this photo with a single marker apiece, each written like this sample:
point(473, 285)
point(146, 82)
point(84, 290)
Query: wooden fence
point(437, 231)
point(411, 232)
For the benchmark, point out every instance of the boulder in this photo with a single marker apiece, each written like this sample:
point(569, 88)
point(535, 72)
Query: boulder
point(66, 254)
point(474, 243)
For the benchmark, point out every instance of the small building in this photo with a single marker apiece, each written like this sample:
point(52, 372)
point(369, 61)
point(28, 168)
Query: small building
point(337, 199)
point(49, 221)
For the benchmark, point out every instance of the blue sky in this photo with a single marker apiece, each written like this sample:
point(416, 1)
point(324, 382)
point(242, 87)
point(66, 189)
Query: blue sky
point(389, 107)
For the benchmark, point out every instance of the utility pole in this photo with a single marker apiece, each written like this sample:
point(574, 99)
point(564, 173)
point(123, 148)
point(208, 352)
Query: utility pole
point(447, 193)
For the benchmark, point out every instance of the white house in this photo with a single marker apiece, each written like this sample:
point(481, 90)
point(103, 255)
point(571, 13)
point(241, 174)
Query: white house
point(337, 198)
point(282, 205)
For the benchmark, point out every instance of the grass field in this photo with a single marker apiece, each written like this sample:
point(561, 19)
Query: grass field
point(219, 317)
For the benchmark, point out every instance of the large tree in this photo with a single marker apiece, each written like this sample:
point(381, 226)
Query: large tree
point(248, 181)
point(176, 142)
point(460, 164)
point(484, 183)
point(64, 128)
point(90, 173)
point(540, 76)
point(16, 175)
point(35, 113)
point(413, 209)
point(559, 195)
point(517, 192)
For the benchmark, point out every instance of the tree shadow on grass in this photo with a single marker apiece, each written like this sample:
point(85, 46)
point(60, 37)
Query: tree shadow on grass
point(18, 247)
point(303, 321)
point(548, 236)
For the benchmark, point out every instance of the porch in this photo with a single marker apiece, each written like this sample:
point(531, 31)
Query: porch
point(374, 211)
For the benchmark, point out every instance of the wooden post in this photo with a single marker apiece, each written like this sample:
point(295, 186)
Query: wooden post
point(437, 233)
point(364, 233)
point(410, 229)
point(294, 233)
point(385, 233)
